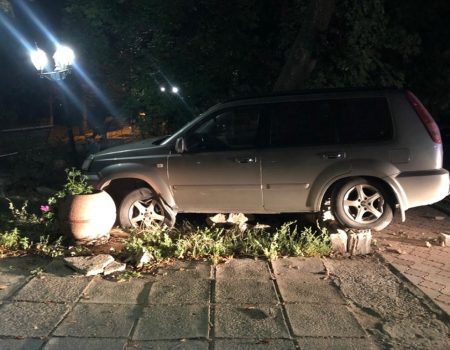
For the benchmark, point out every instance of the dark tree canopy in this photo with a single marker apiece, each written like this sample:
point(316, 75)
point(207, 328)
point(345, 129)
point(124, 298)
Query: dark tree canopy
point(215, 49)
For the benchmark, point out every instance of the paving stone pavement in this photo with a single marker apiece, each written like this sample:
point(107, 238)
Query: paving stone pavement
point(243, 304)
point(414, 249)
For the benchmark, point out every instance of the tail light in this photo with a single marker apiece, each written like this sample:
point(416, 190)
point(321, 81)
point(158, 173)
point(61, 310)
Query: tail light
point(425, 117)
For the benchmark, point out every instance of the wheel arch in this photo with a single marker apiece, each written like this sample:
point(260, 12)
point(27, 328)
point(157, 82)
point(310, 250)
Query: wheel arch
point(395, 197)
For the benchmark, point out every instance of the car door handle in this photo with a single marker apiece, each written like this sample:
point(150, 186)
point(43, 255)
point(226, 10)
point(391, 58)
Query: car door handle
point(333, 155)
point(245, 160)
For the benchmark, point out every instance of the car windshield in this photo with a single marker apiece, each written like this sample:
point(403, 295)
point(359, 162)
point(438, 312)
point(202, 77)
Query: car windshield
point(181, 131)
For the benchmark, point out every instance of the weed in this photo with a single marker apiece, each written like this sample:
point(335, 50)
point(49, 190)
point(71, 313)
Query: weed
point(128, 275)
point(21, 215)
point(54, 250)
point(37, 271)
point(12, 240)
point(218, 243)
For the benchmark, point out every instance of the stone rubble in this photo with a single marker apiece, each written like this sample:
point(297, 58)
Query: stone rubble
point(89, 265)
point(445, 239)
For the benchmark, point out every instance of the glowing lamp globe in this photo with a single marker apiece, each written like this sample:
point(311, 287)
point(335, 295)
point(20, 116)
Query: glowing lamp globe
point(39, 59)
point(63, 57)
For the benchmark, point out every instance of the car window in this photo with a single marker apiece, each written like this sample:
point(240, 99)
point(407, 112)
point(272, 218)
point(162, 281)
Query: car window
point(363, 120)
point(232, 129)
point(301, 123)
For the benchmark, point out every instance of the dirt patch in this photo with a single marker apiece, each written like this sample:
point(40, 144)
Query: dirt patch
point(387, 307)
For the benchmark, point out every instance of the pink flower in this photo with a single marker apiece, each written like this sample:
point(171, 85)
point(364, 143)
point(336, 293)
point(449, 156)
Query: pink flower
point(45, 208)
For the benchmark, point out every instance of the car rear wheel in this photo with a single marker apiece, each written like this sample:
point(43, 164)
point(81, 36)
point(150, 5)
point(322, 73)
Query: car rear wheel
point(362, 204)
point(141, 208)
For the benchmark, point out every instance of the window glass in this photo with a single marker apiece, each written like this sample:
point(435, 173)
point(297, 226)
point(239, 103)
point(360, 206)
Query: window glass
point(363, 120)
point(301, 124)
point(232, 129)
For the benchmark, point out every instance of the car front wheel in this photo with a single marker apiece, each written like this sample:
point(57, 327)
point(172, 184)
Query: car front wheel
point(141, 208)
point(362, 204)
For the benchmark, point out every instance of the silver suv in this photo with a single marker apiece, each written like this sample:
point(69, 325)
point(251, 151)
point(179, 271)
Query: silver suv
point(362, 152)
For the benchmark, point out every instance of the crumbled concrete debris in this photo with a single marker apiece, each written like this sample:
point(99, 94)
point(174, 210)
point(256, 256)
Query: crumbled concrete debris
point(115, 266)
point(142, 257)
point(89, 265)
point(237, 218)
point(395, 250)
point(339, 241)
point(439, 217)
point(428, 244)
point(216, 219)
point(359, 242)
point(444, 239)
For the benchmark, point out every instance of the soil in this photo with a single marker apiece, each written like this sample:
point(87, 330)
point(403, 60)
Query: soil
point(393, 311)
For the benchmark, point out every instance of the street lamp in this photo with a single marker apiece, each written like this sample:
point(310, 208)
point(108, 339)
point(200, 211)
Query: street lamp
point(173, 89)
point(63, 58)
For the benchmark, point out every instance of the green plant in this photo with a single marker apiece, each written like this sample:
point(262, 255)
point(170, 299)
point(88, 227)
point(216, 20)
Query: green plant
point(12, 240)
point(53, 250)
point(128, 275)
point(21, 215)
point(76, 184)
point(216, 244)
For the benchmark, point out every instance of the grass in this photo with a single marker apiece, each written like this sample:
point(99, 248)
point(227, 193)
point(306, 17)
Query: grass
point(25, 232)
point(216, 244)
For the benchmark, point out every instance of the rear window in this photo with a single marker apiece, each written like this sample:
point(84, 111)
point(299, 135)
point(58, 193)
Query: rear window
point(324, 122)
point(363, 120)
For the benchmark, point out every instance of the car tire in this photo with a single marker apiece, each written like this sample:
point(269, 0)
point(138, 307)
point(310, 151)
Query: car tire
point(142, 209)
point(362, 204)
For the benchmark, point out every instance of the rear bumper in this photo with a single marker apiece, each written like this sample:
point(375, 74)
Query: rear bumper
point(423, 187)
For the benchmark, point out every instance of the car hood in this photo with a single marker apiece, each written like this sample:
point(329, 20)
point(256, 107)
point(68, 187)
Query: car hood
point(130, 149)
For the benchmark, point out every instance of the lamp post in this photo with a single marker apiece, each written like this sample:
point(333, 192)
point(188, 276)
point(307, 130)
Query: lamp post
point(63, 58)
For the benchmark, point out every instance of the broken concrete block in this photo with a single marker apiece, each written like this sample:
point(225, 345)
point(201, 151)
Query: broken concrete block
point(444, 239)
point(237, 218)
point(359, 242)
point(216, 219)
point(89, 265)
point(115, 266)
point(339, 241)
point(143, 257)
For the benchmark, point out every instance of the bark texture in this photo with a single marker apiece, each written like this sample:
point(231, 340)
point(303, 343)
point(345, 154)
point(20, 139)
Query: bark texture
point(301, 59)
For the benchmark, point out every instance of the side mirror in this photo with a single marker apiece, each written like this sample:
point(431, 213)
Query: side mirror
point(180, 145)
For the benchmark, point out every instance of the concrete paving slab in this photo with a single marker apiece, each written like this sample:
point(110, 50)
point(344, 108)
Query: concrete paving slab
point(243, 269)
point(53, 289)
point(10, 284)
point(323, 320)
point(245, 292)
point(187, 269)
point(170, 345)
point(104, 291)
point(99, 320)
point(260, 322)
point(22, 265)
point(245, 344)
point(177, 291)
point(20, 344)
point(291, 266)
point(25, 319)
point(85, 344)
point(167, 322)
point(59, 268)
point(16, 271)
point(308, 289)
point(335, 344)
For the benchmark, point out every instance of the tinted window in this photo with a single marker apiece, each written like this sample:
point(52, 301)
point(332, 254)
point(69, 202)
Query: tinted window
point(232, 129)
point(363, 120)
point(301, 123)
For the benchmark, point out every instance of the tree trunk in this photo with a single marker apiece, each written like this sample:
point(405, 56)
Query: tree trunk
point(301, 58)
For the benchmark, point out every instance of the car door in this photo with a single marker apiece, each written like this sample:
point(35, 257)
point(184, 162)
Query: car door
point(220, 169)
point(303, 153)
